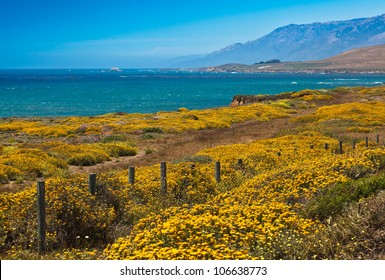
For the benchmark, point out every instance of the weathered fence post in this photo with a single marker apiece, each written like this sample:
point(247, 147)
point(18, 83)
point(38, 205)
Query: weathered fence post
point(378, 139)
point(131, 175)
point(366, 141)
point(354, 144)
point(163, 175)
point(92, 183)
point(240, 163)
point(41, 240)
point(194, 173)
point(326, 146)
point(341, 151)
point(193, 170)
point(218, 171)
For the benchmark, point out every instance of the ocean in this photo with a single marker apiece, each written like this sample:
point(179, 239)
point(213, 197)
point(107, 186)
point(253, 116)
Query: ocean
point(93, 92)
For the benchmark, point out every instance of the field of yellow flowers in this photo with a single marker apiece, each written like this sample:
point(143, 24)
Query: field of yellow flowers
point(294, 196)
point(36, 148)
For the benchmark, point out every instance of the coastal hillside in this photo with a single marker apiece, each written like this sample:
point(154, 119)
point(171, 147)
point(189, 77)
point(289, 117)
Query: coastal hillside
point(362, 58)
point(368, 59)
point(300, 42)
point(298, 176)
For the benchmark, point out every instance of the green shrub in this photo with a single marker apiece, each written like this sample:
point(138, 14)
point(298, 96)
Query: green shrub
point(119, 150)
point(148, 151)
point(148, 136)
point(114, 138)
point(332, 201)
point(9, 173)
point(82, 159)
point(197, 159)
point(153, 130)
point(81, 155)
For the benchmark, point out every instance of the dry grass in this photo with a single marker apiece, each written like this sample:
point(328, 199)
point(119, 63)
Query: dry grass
point(359, 233)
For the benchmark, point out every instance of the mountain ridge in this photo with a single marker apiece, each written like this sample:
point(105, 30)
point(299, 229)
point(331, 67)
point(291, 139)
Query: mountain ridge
point(300, 42)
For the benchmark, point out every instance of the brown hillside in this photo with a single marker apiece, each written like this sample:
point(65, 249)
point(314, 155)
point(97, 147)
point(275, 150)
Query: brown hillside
point(363, 58)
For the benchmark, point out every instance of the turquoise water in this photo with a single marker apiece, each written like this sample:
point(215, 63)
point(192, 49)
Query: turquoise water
point(94, 92)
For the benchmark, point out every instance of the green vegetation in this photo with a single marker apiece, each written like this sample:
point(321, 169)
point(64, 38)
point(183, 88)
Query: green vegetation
point(332, 201)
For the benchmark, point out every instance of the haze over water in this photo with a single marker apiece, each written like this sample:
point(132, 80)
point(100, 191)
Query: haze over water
point(95, 92)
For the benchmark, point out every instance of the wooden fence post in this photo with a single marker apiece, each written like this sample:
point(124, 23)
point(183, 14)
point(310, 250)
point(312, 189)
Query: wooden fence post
point(163, 175)
point(218, 171)
point(41, 235)
point(240, 163)
point(354, 144)
point(194, 173)
point(378, 139)
point(366, 141)
point(92, 183)
point(131, 175)
point(193, 170)
point(326, 146)
point(341, 151)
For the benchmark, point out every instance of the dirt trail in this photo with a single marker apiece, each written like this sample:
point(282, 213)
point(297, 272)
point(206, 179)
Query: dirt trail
point(173, 147)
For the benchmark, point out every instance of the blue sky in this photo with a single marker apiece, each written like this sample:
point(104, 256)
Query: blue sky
point(130, 34)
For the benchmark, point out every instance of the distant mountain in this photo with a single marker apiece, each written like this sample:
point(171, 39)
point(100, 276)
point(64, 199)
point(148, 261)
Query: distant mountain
point(300, 42)
point(178, 61)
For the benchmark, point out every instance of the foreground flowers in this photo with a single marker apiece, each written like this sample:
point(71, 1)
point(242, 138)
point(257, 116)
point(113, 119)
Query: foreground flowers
point(246, 220)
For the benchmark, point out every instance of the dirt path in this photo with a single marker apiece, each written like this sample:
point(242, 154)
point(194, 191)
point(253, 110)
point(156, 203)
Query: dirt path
point(173, 147)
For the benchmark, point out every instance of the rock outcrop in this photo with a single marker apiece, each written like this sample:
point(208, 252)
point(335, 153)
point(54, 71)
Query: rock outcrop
point(239, 100)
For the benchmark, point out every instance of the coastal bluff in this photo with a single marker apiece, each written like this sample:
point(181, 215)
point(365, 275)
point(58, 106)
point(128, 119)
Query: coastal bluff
point(239, 100)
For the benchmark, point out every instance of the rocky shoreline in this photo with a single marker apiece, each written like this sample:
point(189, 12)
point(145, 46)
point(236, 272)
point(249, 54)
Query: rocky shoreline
point(251, 69)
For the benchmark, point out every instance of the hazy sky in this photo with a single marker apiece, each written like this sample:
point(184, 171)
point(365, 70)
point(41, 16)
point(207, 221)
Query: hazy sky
point(143, 33)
